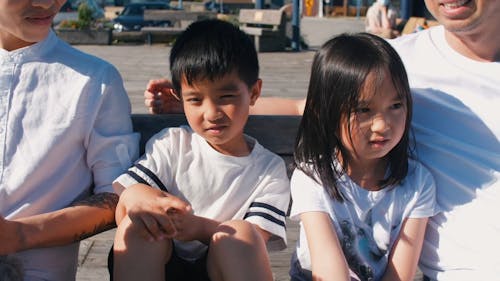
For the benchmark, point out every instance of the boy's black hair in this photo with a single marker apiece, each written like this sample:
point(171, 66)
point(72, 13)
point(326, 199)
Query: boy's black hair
point(210, 49)
point(339, 72)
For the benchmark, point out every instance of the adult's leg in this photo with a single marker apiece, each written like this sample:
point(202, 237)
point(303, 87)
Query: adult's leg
point(237, 252)
point(136, 258)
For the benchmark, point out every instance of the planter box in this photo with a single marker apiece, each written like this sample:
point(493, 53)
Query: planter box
point(85, 36)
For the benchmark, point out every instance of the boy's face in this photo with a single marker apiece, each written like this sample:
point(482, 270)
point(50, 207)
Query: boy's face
point(24, 22)
point(218, 110)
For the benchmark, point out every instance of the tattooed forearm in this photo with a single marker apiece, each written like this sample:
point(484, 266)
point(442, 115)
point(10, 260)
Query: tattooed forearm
point(106, 201)
point(102, 200)
point(101, 227)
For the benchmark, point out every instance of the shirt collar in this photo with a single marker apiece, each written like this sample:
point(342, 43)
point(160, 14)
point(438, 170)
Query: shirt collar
point(36, 50)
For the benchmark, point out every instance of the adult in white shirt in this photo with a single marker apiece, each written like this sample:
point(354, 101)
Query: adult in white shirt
point(65, 135)
point(454, 73)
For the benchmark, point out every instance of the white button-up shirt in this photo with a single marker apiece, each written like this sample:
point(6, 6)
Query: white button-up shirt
point(65, 133)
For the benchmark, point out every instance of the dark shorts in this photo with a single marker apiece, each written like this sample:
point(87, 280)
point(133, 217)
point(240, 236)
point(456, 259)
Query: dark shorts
point(177, 269)
point(297, 273)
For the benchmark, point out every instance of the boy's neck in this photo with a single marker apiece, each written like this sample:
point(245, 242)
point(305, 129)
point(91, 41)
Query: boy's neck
point(239, 148)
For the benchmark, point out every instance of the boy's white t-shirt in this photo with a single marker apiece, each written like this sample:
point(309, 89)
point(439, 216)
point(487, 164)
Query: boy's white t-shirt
point(217, 186)
point(367, 223)
point(456, 120)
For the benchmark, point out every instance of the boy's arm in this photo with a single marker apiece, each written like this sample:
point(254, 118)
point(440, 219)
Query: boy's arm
point(405, 253)
point(266, 235)
point(327, 258)
point(191, 227)
point(84, 219)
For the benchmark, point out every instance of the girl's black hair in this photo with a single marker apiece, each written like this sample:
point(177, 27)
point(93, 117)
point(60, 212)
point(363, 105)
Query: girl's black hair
point(210, 49)
point(339, 72)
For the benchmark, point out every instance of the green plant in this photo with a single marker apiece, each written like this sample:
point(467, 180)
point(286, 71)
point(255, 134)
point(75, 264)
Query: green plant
point(85, 15)
point(86, 20)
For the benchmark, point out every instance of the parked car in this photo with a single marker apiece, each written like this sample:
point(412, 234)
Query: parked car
point(122, 3)
point(132, 16)
point(69, 11)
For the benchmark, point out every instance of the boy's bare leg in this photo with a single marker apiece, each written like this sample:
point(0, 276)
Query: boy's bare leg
point(136, 258)
point(238, 252)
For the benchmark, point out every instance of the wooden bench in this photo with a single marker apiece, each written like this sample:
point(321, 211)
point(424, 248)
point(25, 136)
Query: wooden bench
point(274, 132)
point(179, 20)
point(267, 27)
point(414, 23)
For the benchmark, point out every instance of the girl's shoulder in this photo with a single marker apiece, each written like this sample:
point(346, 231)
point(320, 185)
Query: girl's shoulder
point(418, 179)
point(417, 170)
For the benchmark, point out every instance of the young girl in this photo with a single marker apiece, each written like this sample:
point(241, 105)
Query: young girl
point(362, 203)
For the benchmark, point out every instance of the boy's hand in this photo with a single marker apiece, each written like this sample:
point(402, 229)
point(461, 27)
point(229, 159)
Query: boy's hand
point(185, 223)
point(148, 207)
point(190, 227)
point(160, 97)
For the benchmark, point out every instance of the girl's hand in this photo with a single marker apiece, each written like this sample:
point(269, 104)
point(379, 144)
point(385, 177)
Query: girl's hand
point(147, 207)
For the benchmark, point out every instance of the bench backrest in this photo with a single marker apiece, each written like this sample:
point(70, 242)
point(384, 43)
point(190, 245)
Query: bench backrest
point(274, 132)
point(265, 17)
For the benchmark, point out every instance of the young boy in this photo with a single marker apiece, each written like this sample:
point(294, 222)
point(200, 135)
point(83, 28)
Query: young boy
point(204, 200)
point(65, 135)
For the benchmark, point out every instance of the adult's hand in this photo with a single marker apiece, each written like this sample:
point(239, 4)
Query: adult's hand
point(160, 97)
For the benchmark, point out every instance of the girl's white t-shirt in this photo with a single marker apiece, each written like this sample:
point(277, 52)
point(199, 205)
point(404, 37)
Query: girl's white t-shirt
point(367, 222)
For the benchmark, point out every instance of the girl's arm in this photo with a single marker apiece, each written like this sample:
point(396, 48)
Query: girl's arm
point(327, 258)
point(405, 253)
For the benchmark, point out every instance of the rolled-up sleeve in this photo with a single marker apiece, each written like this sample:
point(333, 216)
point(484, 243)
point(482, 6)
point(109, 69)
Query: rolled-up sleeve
point(112, 145)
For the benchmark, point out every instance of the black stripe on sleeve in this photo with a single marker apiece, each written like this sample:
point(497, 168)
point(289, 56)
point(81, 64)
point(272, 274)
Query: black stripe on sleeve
point(266, 216)
point(137, 178)
point(269, 207)
point(152, 176)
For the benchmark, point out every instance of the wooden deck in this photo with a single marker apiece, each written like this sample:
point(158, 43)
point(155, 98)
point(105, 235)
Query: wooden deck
point(92, 260)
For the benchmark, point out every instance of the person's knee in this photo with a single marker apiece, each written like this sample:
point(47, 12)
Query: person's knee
point(236, 248)
point(132, 238)
point(236, 231)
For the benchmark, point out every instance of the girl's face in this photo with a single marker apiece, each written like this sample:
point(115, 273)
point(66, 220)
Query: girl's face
point(378, 122)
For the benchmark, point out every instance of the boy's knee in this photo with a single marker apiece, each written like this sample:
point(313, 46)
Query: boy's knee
point(129, 234)
point(236, 231)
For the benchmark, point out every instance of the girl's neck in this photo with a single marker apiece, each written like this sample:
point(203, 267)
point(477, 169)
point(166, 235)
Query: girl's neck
point(367, 174)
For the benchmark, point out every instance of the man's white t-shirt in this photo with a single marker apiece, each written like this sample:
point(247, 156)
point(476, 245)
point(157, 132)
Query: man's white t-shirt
point(456, 121)
point(217, 186)
point(367, 223)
